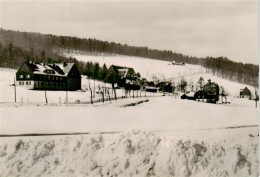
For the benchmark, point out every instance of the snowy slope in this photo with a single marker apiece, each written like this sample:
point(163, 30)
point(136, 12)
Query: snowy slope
point(149, 68)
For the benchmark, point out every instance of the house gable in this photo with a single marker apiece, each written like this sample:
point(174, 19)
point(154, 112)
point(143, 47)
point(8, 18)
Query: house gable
point(131, 72)
point(111, 69)
point(74, 72)
point(24, 73)
point(245, 92)
point(24, 68)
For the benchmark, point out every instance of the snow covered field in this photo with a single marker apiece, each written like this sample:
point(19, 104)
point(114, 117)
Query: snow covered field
point(178, 138)
point(159, 114)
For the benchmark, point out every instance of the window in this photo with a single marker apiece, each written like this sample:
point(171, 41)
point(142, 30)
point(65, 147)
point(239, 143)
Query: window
point(29, 82)
point(28, 76)
point(20, 83)
point(20, 76)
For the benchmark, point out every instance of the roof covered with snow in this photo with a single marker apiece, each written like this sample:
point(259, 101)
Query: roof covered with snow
point(123, 72)
point(61, 69)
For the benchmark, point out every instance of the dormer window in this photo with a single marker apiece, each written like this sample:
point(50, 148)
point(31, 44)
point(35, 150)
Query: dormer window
point(48, 71)
point(28, 76)
point(20, 76)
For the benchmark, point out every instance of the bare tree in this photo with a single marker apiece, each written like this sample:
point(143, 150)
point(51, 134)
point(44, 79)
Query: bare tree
point(102, 94)
point(223, 93)
point(183, 85)
point(46, 100)
point(108, 95)
point(14, 90)
point(201, 82)
point(256, 97)
point(91, 92)
point(126, 92)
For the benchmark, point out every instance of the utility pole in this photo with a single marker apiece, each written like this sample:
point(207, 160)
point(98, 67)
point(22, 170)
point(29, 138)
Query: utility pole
point(66, 92)
point(14, 91)
point(45, 93)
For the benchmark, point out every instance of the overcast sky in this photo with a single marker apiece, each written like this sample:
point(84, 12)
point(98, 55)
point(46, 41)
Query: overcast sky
point(196, 28)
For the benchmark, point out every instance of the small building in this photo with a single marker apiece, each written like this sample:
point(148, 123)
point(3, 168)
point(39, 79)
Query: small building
point(150, 89)
point(123, 72)
point(201, 95)
point(175, 63)
point(132, 84)
point(209, 93)
point(245, 93)
point(126, 77)
point(165, 87)
point(40, 76)
point(188, 96)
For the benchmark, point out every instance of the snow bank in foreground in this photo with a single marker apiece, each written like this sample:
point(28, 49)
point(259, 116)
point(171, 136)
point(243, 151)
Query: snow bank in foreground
point(133, 153)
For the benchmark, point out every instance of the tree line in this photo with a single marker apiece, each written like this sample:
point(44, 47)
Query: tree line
point(46, 47)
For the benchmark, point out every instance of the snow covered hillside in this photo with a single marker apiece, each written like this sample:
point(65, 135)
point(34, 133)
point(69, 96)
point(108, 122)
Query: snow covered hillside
point(150, 68)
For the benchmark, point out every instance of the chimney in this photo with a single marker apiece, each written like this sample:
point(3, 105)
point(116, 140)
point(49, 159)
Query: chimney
point(64, 64)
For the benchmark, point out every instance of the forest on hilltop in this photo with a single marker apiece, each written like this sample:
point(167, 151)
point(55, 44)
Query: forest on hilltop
point(16, 47)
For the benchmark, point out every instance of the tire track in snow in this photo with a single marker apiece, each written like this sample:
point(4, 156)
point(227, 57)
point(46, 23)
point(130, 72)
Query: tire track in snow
point(116, 132)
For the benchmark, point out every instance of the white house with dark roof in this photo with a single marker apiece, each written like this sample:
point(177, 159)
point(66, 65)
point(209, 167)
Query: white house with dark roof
point(41, 76)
